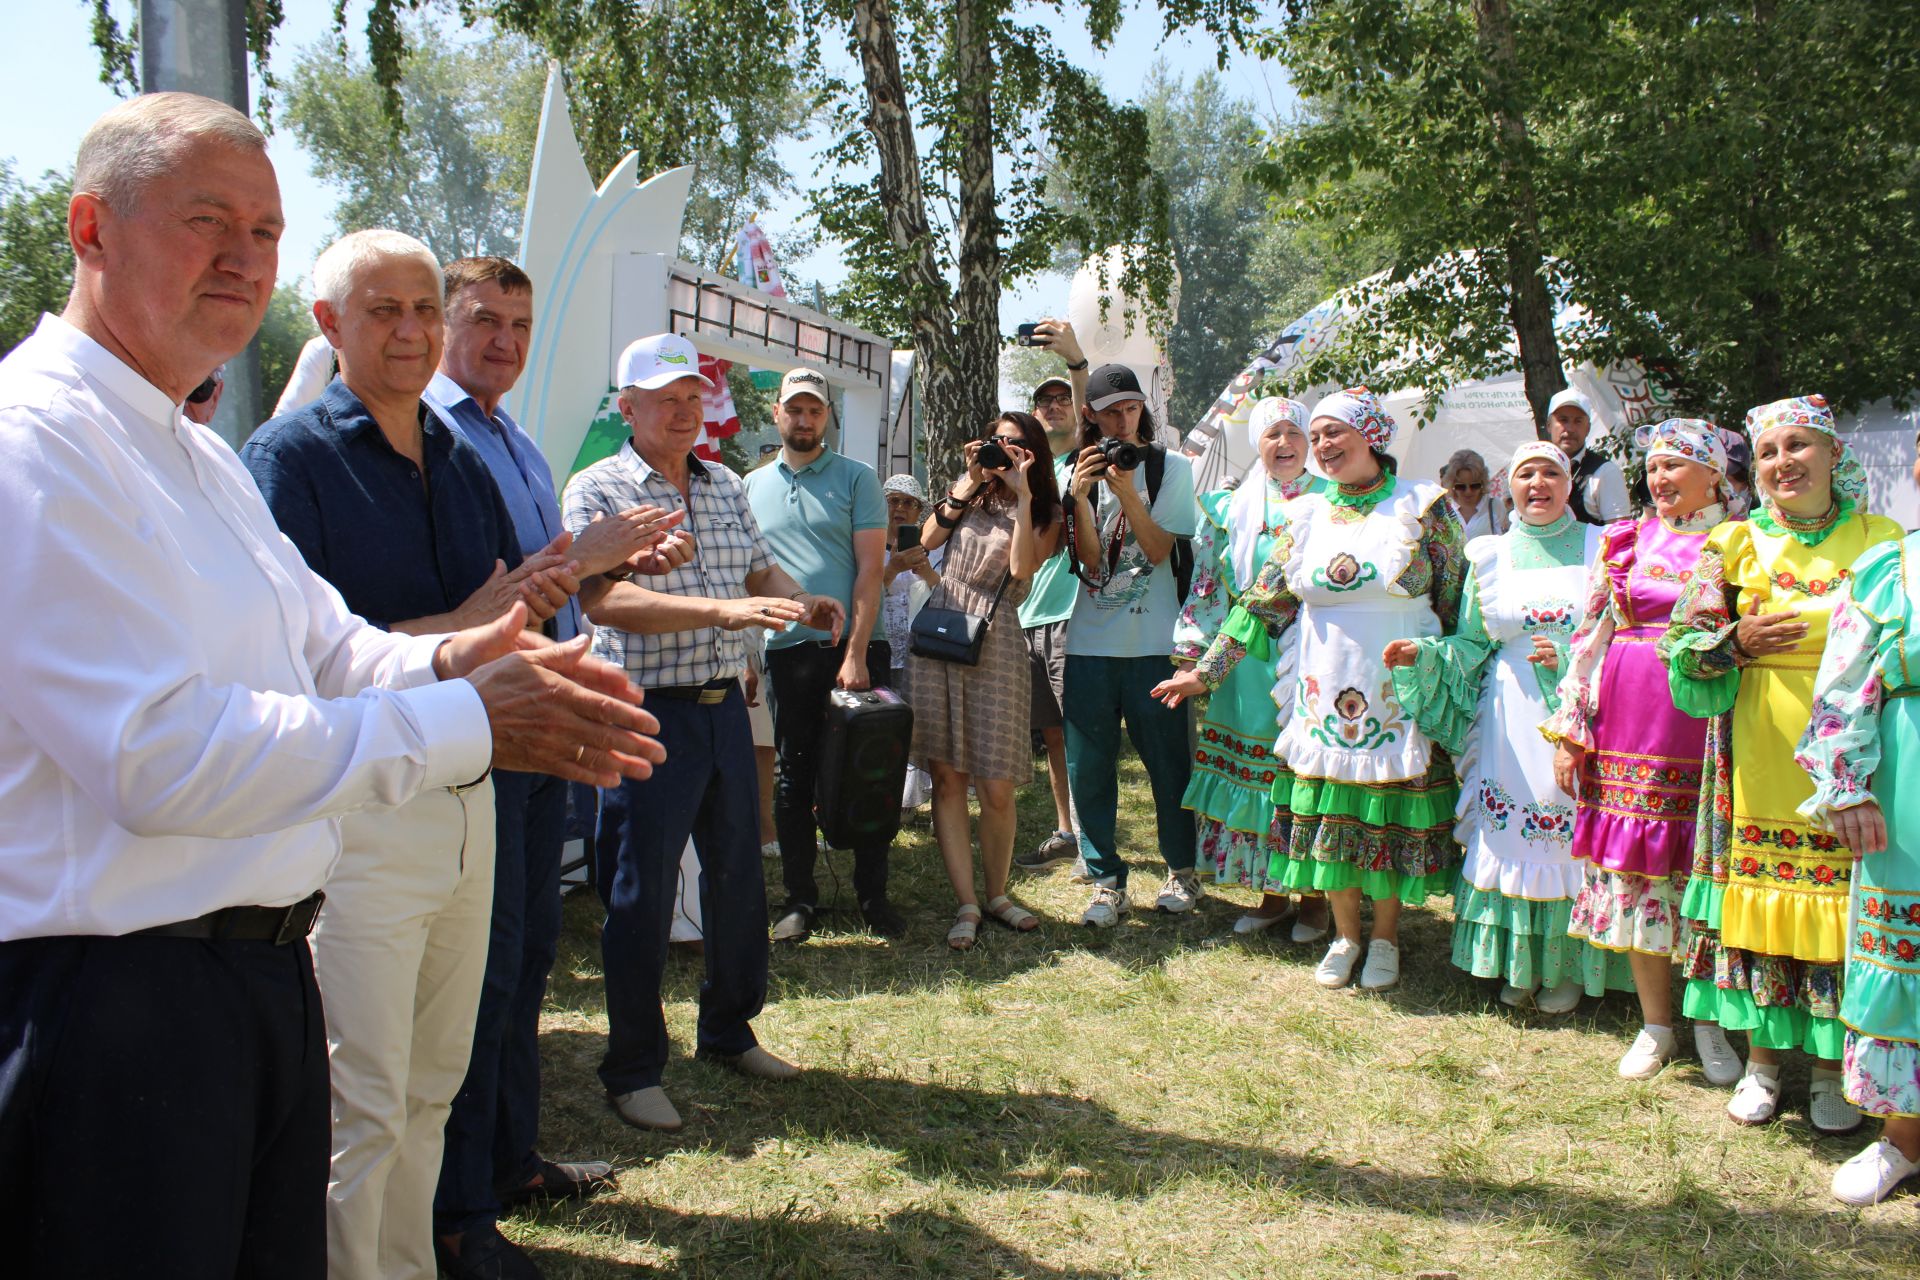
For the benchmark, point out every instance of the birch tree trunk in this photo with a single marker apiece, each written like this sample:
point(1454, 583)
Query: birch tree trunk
point(1529, 304)
point(956, 337)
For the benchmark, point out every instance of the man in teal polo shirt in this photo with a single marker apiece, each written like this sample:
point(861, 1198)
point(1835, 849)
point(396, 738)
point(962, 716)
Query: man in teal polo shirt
point(826, 521)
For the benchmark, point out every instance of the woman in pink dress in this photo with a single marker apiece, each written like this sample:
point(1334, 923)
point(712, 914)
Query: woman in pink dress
point(1632, 760)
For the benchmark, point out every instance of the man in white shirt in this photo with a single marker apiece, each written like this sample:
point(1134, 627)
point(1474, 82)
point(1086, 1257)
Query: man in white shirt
point(186, 712)
point(1599, 488)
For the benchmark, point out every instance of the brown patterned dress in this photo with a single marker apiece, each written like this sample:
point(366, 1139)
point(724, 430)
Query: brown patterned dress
point(975, 718)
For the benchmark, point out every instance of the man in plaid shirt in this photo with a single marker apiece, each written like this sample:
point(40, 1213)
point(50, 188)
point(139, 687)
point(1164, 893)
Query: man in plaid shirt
point(681, 641)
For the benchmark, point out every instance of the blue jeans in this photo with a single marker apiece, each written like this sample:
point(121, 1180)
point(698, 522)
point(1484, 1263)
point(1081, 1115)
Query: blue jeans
point(1100, 694)
point(496, 1115)
point(708, 788)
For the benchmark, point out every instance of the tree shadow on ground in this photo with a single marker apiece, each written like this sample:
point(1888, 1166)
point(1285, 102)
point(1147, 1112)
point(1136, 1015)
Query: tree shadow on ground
point(1051, 1143)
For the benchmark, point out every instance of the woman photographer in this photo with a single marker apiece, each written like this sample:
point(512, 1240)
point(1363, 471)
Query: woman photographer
point(970, 722)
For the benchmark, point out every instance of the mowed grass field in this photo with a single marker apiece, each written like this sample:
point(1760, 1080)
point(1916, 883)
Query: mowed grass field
point(1164, 1100)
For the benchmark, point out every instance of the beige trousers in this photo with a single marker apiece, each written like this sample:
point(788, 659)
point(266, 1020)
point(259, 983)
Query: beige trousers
point(400, 951)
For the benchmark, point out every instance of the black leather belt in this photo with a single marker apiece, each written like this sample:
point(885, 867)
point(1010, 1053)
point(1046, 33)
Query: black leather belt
point(278, 925)
point(707, 694)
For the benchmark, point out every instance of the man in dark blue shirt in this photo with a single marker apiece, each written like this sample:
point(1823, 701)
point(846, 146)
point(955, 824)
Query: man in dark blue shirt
point(402, 516)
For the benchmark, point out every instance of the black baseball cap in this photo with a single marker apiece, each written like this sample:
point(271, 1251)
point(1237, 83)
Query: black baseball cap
point(1112, 384)
point(1044, 383)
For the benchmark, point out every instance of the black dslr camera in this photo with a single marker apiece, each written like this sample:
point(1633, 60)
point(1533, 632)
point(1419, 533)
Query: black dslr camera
point(1121, 455)
point(993, 456)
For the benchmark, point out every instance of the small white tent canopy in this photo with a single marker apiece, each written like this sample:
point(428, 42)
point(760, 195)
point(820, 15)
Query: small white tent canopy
point(1490, 415)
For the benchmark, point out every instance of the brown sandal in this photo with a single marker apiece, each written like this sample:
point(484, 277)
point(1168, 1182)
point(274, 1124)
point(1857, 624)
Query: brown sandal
point(966, 927)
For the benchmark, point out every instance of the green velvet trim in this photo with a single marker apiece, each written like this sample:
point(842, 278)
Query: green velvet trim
point(1363, 501)
point(1762, 517)
point(1250, 631)
point(1301, 875)
point(1416, 807)
point(1770, 1027)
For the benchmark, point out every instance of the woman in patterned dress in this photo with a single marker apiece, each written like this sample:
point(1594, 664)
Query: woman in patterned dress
point(1236, 770)
point(1767, 904)
point(970, 723)
point(1482, 693)
point(1622, 749)
point(1863, 739)
point(1370, 560)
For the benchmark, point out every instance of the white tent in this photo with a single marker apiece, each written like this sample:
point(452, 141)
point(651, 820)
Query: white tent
point(1488, 415)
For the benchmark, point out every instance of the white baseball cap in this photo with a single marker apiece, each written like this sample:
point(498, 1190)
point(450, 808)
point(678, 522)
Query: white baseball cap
point(803, 382)
point(655, 361)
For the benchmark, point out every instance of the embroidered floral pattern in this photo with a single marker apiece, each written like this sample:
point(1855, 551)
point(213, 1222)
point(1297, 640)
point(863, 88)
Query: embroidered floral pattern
point(1344, 573)
point(1557, 616)
point(1349, 726)
point(1496, 804)
point(1547, 823)
point(1818, 588)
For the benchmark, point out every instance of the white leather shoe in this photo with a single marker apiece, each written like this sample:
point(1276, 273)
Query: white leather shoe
point(1646, 1055)
point(1871, 1176)
point(1564, 998)
point(1515, 997)
point(1254, 922)
point(1828, 1109)
point(647, 1109)
point(1382, 969)
point(1336, 967)
point(1719, 1061)
point(1755, 1099)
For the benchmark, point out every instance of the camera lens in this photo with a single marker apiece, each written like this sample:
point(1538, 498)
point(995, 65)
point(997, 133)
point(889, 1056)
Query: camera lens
point(1122, 455)
point(993, 456)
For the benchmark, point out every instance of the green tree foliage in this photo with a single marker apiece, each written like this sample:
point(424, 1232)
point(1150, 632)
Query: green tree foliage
point(1728, 190)
point(455, 174)
point(288, 325)
point(36, 261)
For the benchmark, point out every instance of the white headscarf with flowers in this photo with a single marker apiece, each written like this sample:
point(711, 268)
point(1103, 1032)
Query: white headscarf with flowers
point(1360, 409)
point(1812, 412)
point(1252, 509)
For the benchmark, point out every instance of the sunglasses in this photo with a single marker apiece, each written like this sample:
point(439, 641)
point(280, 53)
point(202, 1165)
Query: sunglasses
point(1466, 486)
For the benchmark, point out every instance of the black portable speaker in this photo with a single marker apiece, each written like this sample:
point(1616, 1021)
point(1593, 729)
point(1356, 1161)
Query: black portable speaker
point(863, 766)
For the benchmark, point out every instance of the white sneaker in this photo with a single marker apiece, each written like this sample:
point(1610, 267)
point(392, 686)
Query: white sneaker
point(1650, 1051)
point(1180, 893)
point(1106, 907)
point(1828, 1108)
point(1719, 1061)
point(1871, 1176)
point(1253, 922)
point(771, 849)
point(1336, 967)
point(1515, 997)
point(1755, 1099)
point(1564, 998)
point(1382, 969)
point(1303, 932)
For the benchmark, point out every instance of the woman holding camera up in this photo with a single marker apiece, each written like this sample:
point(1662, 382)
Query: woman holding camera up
point(970, 721)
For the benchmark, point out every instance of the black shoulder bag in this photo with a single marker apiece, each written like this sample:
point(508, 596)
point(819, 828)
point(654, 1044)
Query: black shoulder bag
point(947, 634)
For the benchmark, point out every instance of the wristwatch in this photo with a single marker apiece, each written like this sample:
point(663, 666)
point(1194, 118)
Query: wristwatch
point(619, 573)
point(1077, 367)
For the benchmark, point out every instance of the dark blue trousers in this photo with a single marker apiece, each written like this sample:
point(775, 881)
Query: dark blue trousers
point(163, 1110)
point(708, 789)
point(495, 1120)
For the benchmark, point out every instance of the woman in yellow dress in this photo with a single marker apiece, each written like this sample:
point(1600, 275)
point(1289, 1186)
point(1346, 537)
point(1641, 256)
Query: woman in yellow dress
point(1767, 904)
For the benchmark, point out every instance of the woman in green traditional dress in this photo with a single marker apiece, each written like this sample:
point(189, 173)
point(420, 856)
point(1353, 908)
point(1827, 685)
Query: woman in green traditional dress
point(1482, 692)
point(1237, 771)
point(1371, 560)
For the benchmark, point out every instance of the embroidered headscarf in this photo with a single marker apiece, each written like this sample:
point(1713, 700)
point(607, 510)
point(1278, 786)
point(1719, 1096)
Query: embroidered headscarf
point(1812, 412)
point(1360, 409)
point(1270, 410)
point(1694, 439)
point(1547, 449)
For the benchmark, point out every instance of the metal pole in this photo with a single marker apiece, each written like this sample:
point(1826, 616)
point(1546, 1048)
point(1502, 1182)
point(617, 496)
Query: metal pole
point(200, 46)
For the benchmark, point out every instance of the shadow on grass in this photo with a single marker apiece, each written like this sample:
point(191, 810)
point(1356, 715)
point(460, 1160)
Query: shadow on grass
point(1052, 1144)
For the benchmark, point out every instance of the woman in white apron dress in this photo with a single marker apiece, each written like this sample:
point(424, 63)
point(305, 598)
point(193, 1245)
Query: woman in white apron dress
point(1482, 693)
point(1376, 558)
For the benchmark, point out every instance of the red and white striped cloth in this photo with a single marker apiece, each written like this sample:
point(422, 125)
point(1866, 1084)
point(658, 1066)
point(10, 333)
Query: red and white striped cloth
point(719, 418)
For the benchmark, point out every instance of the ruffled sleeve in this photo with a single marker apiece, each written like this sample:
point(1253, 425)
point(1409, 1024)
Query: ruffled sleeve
point(1441, 690)
point(1579, 691)
point(1266, 609)
point(1840, 749)
point(1702, 674)
point(1444, 543)
point(1206, 604)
